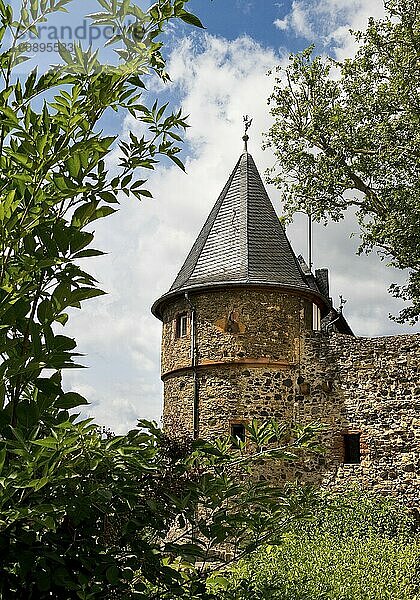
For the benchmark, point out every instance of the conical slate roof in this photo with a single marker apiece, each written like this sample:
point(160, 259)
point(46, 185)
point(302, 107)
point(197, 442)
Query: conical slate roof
point(242, 241)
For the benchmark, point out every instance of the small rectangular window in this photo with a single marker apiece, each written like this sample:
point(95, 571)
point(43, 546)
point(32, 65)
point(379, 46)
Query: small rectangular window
point(237, 430)
point(351, 448)
point(316, 318)
point(181, 325)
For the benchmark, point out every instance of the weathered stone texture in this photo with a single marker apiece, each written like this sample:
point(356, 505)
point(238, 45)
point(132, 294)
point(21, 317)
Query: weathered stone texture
point(269, 323)
point(376, 391)
point(178, 405)
point(272, 365)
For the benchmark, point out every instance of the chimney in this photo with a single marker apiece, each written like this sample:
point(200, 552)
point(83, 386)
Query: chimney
point(322, 279)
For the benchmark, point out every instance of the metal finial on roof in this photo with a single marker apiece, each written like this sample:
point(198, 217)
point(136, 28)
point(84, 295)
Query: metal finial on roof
point(247, 124)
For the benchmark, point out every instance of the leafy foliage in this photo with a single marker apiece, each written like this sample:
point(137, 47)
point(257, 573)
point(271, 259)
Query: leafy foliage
point(90, 516)
point(85, 514)
point(347, 134)
point(357, 514)
point(358, 548)
point(54, 184)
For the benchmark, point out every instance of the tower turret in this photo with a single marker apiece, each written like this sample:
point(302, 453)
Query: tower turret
point(234, 318)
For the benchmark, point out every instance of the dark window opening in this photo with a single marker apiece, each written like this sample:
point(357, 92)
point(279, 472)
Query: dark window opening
point(181, 325)
point(237, 430)
point(351, 448)
point(232, 325)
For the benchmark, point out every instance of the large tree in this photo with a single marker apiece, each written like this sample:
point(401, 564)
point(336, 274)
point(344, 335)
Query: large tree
point(54, 181)
point(346, 134)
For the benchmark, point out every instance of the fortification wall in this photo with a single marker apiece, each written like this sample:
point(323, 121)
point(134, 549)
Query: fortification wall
point(374, 390)
point(272, 365)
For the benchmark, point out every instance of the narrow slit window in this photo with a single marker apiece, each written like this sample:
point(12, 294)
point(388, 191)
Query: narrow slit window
point(237, 430)
point(351, 448)
point(181, 325)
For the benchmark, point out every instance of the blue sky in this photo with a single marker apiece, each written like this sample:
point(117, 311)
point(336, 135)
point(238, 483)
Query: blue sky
point(218, 75)
point(243, 17)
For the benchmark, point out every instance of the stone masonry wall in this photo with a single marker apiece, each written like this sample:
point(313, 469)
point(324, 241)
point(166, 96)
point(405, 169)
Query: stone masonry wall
point(265, 324)
point(374, 390)
point(267, 328)
point(272, 365)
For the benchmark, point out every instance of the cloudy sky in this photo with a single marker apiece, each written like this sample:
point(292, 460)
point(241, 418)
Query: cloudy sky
point(217, 76)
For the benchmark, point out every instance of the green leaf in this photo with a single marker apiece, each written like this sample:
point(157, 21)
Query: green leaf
point(103, 211)
point(190, 19)
point(49, 442)
point(82, 214)
point(62, 342)
point(145, 193)
point(113, 574)
point(177, 161)
point(64, 53)
point(3, 453)
point(108, 197)
point(37, 484)
point(44, 311)
point(88, 253)
point(63, 318)
point(48, 386)
point(83, 293)
point(126, 180)
point(220, 581)
point(79, 240)
point(70, 400)
point(10, 115)
point(138, 183)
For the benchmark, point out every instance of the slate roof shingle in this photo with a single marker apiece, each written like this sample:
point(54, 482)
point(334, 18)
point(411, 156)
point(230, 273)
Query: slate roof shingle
point(241, 242)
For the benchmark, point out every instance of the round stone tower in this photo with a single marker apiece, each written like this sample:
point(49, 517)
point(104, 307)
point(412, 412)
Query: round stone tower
point(235, 318)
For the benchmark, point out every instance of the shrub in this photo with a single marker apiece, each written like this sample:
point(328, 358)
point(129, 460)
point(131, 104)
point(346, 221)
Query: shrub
point(356, 548)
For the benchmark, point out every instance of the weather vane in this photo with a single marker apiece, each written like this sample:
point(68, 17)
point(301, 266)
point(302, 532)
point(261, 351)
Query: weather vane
point(247, 124)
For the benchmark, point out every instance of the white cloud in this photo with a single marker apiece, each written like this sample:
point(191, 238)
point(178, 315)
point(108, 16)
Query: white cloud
point(327, 22)
point(218, 81)
point(282, 24)
point(297, 21)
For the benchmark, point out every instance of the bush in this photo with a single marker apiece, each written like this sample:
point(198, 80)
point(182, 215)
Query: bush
point(356, 548)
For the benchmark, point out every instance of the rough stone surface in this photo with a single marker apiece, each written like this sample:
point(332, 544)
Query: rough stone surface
point(257, 357)
point(375, 391)
point(269, 325)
